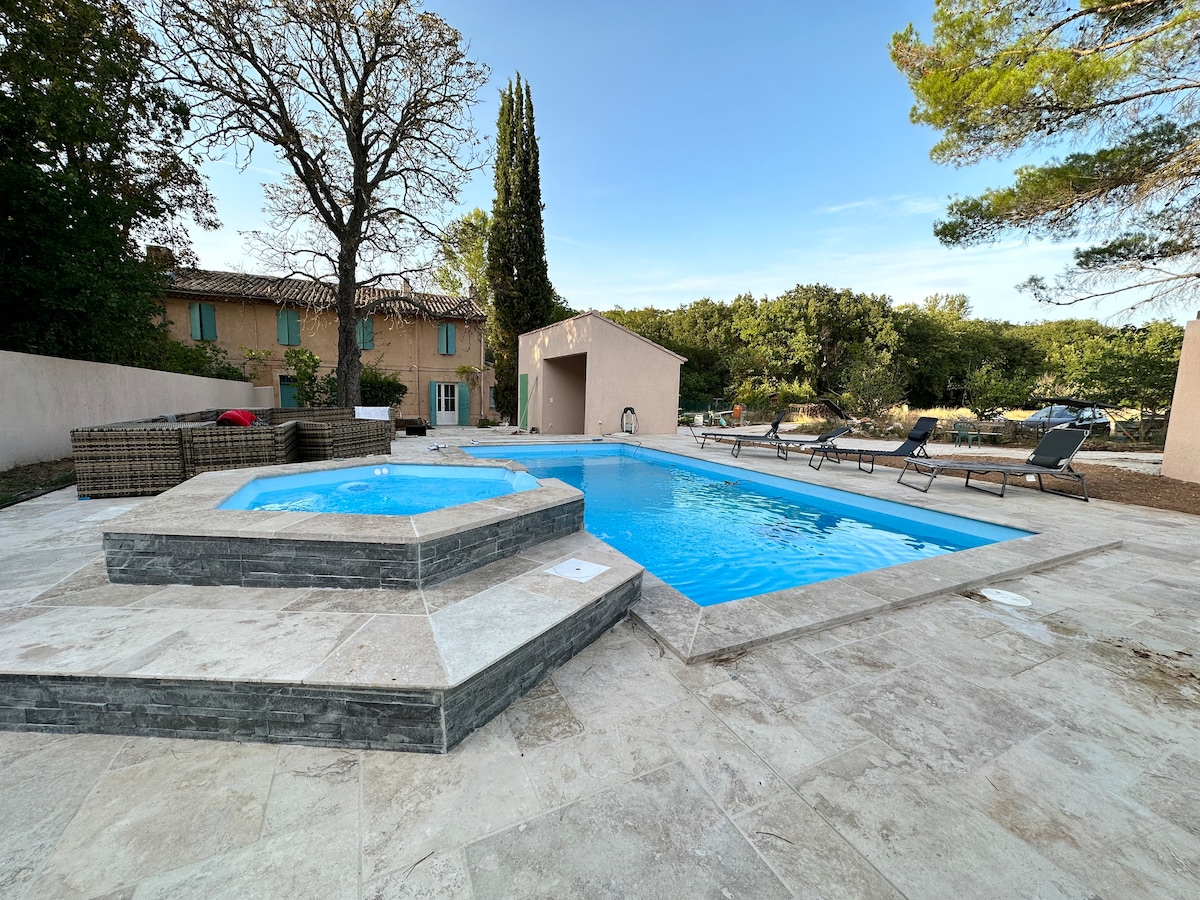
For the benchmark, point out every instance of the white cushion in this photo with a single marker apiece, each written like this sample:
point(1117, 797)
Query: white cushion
point(373, 412)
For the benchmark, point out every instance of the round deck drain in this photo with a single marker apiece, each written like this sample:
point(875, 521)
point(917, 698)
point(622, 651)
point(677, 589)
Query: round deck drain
point(1008, 598)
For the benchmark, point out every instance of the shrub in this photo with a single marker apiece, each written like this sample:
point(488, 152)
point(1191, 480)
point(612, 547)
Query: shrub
point(379, 388)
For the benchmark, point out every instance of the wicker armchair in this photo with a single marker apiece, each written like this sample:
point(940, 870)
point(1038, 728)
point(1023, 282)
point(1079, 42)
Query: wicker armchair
point(215, 448)
point(130, 459)
point(340, 440)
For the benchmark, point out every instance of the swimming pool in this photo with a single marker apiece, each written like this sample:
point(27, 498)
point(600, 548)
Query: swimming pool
point(389, 490)
point(716, 533)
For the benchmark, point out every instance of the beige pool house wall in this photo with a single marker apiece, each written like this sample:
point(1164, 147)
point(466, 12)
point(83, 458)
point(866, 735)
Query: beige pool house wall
point(580, 375)
point(1181, 456)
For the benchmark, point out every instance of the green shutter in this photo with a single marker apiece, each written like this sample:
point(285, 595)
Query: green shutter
point(287, 327)
point(433, 403)
point(203, 318)
point(446, 339)
point(364, 330)
point(464, 402)
point(208, 321)
point(523, 402)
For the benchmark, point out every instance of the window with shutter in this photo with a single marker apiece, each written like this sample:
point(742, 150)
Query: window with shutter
point(203, 321)
point(364, 330)
point(446, 339)
point(287, 322)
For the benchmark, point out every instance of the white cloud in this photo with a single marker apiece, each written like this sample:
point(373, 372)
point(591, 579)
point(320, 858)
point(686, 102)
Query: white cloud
point(898, 205)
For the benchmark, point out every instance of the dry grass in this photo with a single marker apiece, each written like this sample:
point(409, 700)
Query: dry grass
point(24, 482)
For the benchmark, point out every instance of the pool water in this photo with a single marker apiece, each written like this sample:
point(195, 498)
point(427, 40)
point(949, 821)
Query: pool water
point(391, 490)
point(716, 533)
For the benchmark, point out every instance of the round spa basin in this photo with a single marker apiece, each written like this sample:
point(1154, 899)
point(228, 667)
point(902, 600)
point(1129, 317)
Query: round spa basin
point(388, 490)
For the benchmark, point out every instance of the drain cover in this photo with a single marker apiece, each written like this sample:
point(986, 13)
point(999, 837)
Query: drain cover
point(1008, 598)
point(577, 570)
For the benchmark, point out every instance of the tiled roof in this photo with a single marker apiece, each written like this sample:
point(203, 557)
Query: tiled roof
point(302, 291)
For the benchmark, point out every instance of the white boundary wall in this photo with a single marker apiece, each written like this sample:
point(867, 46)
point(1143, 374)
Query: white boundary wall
point(42, 398)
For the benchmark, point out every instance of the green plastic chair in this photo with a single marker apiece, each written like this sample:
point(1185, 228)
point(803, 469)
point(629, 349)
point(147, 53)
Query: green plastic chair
point(968, 433)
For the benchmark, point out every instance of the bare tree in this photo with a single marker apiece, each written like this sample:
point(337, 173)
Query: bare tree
point(369, 106)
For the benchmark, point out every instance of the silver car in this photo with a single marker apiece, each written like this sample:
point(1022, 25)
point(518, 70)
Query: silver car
point(1091, 418)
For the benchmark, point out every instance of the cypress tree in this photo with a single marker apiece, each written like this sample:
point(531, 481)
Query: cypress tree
point(522, 296)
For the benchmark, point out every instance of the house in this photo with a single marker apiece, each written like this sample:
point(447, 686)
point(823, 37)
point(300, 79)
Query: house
point(432, 342)
point(589, 375)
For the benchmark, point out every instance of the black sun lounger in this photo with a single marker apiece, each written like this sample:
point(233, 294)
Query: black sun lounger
point(1052, 456)
point(782, 445)
point(718, 436)
point(914, 445)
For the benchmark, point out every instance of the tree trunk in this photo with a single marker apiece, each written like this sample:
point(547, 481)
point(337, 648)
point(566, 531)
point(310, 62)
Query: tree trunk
point(349, 364)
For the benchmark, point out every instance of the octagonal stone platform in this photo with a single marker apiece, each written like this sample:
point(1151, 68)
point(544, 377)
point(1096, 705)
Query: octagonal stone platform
point(381, 632)
point(180, 537)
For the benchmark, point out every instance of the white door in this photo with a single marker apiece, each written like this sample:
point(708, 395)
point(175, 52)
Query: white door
point(447, 403)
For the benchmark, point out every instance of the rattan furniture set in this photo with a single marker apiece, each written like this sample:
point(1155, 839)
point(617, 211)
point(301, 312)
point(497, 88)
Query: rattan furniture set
point(148, 456)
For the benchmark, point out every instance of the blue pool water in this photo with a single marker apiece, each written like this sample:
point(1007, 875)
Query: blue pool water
point(716, 533)
point(391, 490)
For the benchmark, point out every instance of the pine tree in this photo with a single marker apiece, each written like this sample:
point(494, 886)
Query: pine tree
point(522, 296)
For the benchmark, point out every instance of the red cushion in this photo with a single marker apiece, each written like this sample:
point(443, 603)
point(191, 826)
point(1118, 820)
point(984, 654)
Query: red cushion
point(236, 417)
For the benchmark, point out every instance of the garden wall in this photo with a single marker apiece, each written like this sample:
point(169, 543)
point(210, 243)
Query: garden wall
point(1181, 456)
point(44, 397)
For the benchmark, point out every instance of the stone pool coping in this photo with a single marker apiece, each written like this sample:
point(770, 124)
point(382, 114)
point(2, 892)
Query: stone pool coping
point(696, 633)
point(181, 537)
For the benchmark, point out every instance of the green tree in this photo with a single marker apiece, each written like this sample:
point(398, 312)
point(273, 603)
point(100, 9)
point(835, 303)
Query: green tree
point(703, 332)
point(311, 389)
point(1063, 347)
point(461, 268)
point(815, 333)
point(1117, 78)
point(990, 390)
point(874, 384)
point(90, 166)
point(522, 297)
point(1134, 366)
point(776, 340)
point(932, 354)
point(367, 105)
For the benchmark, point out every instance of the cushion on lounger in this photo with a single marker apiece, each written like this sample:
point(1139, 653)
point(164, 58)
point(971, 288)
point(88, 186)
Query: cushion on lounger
point(1049, 462)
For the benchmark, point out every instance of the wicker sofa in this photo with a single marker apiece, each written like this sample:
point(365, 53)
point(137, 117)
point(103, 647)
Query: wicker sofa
point(148, 456)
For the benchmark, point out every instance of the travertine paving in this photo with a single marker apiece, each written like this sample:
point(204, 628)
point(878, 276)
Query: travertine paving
point(953, 748)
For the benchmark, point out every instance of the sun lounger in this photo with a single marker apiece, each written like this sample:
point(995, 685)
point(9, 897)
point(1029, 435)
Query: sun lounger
point(914, 445)
point(783, 445)
point(1052, 456)
point(718, 436)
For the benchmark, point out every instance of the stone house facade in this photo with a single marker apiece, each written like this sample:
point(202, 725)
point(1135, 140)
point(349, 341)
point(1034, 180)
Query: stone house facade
point(423, 339)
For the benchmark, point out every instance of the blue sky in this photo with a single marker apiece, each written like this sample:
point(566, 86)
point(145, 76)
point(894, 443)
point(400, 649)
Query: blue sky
point(700, 149)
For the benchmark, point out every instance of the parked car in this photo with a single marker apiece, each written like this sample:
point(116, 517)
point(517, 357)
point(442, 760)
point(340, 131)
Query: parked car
point(1091, 418)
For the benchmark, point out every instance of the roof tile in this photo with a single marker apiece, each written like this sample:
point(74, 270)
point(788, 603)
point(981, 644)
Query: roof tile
point(302, 291)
